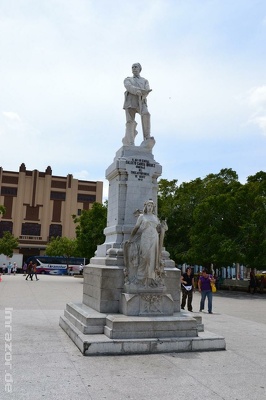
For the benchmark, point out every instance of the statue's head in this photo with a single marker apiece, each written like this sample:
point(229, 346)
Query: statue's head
point(149, 206)
point(136, 68)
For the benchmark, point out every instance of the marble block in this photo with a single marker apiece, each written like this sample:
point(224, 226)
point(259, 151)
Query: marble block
point(146, 304)
point(139, 327)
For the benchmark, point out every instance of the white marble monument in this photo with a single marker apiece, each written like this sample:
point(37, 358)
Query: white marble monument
point(131, 291)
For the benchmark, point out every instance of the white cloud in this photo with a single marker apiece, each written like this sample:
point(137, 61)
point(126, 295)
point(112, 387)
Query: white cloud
point(11, 116)
point(14, 129)
point(257, 97)
point(261, 122)
point(257, 102)
point(82, 175)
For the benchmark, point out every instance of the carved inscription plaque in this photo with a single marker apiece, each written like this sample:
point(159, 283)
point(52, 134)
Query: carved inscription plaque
point(141, 171)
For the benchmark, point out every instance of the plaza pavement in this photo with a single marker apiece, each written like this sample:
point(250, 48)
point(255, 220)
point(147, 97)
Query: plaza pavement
point(45, 364)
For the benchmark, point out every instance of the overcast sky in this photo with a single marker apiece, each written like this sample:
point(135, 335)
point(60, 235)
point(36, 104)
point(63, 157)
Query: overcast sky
point(62, 68)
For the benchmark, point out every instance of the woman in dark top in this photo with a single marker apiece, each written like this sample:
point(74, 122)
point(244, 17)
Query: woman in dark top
point(187, 287)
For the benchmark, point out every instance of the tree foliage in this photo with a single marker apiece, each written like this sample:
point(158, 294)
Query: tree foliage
point(62, 246)
point(253, 229)
point(216, 219)
point(89, 229)
point(7, 244)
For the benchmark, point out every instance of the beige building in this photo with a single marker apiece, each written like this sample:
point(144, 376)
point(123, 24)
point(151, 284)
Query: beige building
point(40, 205)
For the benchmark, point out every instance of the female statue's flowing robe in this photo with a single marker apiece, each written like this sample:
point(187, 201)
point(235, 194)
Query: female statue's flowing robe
point(148, 246)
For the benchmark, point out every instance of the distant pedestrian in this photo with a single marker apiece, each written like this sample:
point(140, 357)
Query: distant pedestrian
point(252, 282)
point(24, 268)
point(9, 268)
point(262, 283)
point(35, 271)
point(29, 271)
point(205, 289)
point(187, 288)
point(3, 268)
point(14, 269)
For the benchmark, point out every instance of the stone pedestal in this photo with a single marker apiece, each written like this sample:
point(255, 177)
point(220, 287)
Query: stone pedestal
point(112, 318)
point(146, 304)
point(102, 287)
point(132, 180)
point(97, 334)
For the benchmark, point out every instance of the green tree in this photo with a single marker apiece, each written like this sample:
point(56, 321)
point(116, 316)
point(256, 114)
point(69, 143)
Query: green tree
point(177, 204)
point(253, 230)
point(89, 229)
point(213, 233)
point(166, 210)
point(187, 228)
point(62, 246)
point(7, 244)
point(214, 236)
point(216, 219)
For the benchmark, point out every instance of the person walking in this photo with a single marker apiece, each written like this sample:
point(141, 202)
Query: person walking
point(9, 268)
point(187, 288)
point(24, 268)
point(34, 272)
point(204, 286)
point(3, 268)
point(15, 268)
point(29, 271)
point(252, 282)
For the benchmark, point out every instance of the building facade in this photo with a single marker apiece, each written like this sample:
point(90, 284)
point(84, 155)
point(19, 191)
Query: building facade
point(40, 205)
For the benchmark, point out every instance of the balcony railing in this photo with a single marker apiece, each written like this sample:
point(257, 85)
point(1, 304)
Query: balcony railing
point(30, 237)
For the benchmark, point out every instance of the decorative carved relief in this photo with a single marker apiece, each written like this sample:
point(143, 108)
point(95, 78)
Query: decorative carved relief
point(150, 304)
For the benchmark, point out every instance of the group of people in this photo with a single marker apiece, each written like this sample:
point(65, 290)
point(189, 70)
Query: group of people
point(9, 268)
point(30, 270)
point(204, 286)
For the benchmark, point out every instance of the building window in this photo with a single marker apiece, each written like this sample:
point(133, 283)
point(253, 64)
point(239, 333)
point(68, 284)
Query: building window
point(55, 230)
point(31, 229)
point(5, 226)
point(87, 188)
point(8, 203)
point(86, 198)
point(32, 213)
point(8, 191)
point(79, 211)
point(58, 184)
point(58, 196)
point(10, 179)
point(57, 207)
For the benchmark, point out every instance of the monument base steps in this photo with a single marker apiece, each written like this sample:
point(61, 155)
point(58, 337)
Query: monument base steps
point(96, 333)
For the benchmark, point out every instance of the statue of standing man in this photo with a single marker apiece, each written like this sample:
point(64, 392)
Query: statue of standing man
point(137, 90)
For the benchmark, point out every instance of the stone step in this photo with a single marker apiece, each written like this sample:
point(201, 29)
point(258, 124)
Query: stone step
point(100, 344)
point(85, 318)
point(197, 317)
point(128, 327)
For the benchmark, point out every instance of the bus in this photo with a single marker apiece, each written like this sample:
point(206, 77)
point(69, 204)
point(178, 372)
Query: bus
point(51, 265)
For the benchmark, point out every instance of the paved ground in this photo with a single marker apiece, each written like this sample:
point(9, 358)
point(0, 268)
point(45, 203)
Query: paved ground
point(45, 364)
